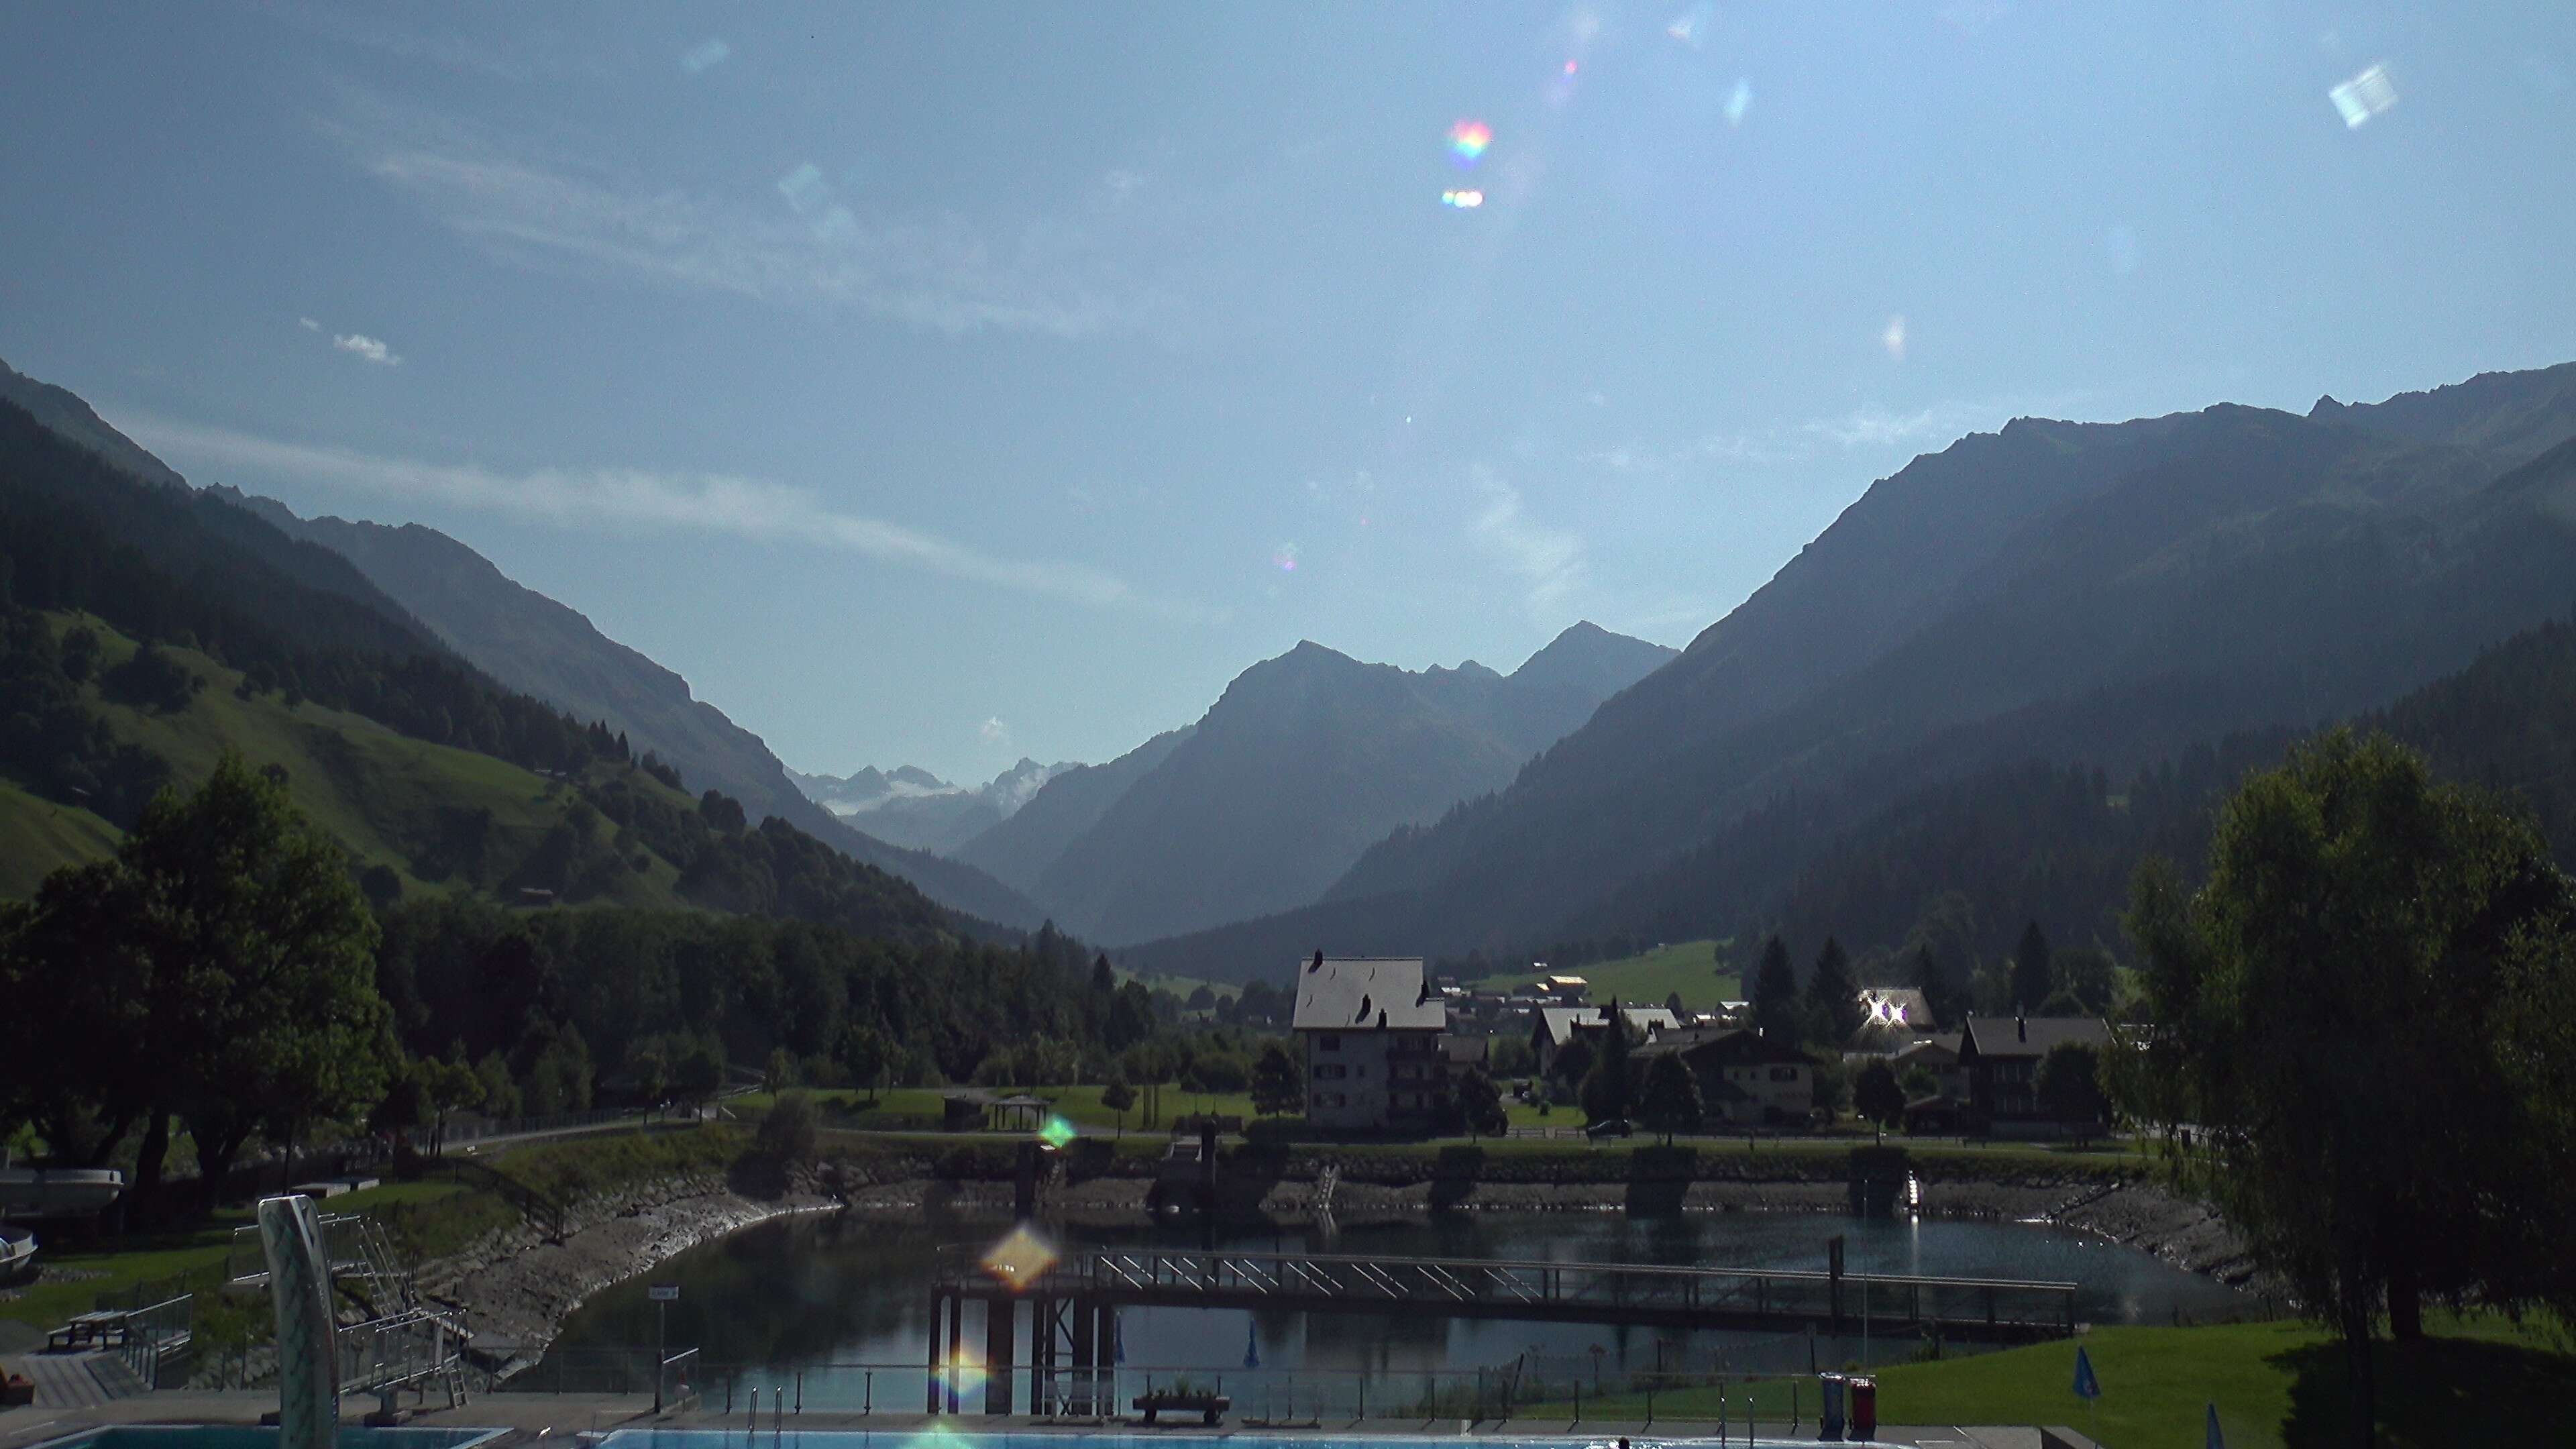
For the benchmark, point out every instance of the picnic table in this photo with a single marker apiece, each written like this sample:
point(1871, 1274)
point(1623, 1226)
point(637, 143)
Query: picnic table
point(1212, 1405)
point(107, 1327)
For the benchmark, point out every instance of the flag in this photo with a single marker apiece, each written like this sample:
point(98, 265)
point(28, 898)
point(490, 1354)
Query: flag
point(1251, 1349)
point(2086, 1386)
point(2216, 1439)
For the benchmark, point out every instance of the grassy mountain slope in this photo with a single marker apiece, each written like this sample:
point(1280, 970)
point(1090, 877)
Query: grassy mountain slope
point(252, 580)
point(390, 800)
point(539, 647)
point(39, 837)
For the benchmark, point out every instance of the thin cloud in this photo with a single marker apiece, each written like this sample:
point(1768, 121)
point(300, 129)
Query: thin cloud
point(705, 56)
point(367, 348)
point(1549, 561)
point(1879, 427)
point(308, 324)
point(791, 243)
point(993, 731)
point(642, 498)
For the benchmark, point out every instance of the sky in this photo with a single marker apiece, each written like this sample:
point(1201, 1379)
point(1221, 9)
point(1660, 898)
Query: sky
point(942, 384)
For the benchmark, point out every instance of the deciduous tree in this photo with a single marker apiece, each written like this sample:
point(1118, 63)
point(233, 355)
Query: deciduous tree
point(1671, 1100)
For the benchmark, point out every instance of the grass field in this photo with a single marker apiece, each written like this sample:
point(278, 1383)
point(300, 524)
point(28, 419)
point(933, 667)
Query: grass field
point(1687, 967)
point(2274, 1384)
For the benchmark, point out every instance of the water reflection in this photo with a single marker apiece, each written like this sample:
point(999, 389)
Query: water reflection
point(817, 1290)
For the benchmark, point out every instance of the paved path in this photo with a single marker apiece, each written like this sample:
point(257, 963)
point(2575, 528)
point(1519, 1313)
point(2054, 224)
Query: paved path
point(72, 1380)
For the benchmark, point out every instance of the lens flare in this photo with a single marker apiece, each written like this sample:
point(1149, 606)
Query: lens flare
point(1020, 1259)
point(1057, 1133)
point(1284, 558)
point(1463, 200)
point(1468, 139)
point(1739, 102)
point(2366, 95)
point(1893, 339)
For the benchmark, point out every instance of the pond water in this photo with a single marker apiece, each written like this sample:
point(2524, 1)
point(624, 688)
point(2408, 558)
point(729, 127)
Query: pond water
point(803, 1294)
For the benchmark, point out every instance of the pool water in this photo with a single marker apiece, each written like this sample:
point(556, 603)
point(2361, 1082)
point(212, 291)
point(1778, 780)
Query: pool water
point(949, 1440)
point(254, 1436)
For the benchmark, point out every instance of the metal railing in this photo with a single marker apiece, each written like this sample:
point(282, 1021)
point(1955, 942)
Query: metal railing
point(156, 1343)
point(1778, 1403)
point(1608, 1292)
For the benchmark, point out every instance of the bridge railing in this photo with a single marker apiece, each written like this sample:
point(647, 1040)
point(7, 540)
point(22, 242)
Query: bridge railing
point(1777, 1402)
point(1555, 1287)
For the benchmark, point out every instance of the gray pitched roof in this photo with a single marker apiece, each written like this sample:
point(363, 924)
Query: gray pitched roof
point(2032, 1036)
point(1367, 993)
point(1561, 1021)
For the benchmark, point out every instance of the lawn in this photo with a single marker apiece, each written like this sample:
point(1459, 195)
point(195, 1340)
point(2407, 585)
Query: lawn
point(424, 1212)
point(1687, 967)
point(2275, 1384)
point(850, 1108)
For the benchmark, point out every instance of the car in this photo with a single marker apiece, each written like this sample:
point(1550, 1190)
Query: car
point(1609, 1127)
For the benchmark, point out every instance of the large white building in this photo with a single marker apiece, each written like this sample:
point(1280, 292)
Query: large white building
point(1372, 1028)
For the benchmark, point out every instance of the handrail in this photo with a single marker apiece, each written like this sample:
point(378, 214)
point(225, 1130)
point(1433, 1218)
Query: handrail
point(959, 1251)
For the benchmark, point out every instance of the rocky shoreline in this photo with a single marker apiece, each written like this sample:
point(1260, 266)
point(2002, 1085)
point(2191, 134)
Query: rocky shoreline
point(515, 1289)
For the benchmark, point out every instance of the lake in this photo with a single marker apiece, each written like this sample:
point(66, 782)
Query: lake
point(801, 1296)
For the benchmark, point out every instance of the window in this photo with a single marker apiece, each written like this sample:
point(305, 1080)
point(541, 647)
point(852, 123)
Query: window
point(1784, 1074)
point(1328, 1043)
point(1331, 1072)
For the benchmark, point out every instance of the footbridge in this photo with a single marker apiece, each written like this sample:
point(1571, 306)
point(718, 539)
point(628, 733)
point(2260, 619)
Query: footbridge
point(1074, 1298)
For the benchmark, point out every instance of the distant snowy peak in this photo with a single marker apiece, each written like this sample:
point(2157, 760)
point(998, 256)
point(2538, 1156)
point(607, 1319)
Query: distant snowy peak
point(910, 806)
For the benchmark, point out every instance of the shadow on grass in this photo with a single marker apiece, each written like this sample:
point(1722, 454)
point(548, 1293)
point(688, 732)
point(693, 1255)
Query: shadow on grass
point(2437, 1391)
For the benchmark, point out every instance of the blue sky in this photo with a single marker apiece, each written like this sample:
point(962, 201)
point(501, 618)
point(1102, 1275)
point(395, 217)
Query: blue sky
point(948, 383)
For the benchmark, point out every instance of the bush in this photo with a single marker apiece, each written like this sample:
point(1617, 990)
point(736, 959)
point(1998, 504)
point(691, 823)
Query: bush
point(787, 1133)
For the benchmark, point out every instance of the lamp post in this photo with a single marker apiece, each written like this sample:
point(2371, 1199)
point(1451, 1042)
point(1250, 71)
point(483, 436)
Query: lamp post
point(663, 1296)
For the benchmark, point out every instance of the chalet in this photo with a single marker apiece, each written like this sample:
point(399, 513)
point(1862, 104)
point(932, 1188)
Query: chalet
point(2000, 1057)
point(1553, 1028)
point(1894, 1012)
point(1937, 1054)
point(1566, 990)
point(1372, 1027)
point(1745, 1078)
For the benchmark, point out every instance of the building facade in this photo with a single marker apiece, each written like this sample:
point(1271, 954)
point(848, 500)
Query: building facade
point(1372, 1028)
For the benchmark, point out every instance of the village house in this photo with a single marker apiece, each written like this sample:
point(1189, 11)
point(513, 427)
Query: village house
point(1745, 1079)
point(1553, 1028)
point(1372, 1028)
point(2001, 1055)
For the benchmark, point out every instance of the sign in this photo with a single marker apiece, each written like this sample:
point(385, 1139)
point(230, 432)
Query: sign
point(2086, 1386)
point(663, 1293)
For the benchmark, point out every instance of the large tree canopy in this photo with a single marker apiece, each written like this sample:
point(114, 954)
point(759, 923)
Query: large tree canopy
point(2349, 1005)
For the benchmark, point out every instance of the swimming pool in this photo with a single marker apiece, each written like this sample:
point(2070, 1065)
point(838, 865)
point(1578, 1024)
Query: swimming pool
point(1049, 1440)
point(255, 1436)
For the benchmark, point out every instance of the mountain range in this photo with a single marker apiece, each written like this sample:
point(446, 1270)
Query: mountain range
point(2100, 593)
point(909, 806)
point(1301, 764)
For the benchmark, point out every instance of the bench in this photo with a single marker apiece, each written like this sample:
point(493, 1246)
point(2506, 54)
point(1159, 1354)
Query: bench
point(1212, 1405)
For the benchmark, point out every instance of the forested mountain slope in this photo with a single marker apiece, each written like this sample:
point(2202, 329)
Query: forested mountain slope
point(2236, 569)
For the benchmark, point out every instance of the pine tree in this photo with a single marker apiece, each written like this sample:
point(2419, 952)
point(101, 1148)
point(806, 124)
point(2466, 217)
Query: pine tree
point(1605, 1088)
point(1775, 994)
point(1938, 993)
point(2031, 977)
point(1833, 1001)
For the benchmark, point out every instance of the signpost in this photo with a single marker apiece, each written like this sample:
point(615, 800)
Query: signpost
point(663, 1296)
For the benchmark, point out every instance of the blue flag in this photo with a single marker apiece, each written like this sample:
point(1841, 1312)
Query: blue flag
point(2216, 1439)
point(1251, 1348)
point(2086, 1386)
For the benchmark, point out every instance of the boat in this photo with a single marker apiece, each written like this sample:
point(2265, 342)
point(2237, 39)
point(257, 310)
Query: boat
point(17, 1254)
point(40, 1192)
